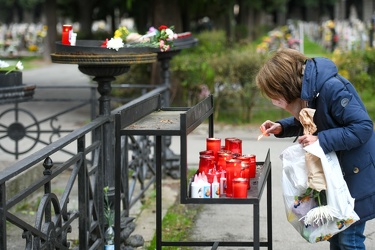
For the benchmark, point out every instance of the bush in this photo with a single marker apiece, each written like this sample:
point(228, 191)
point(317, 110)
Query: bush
point(352, 66)
point(191, 69)
point(235, 73)
point(229, 74)
point(359, 68)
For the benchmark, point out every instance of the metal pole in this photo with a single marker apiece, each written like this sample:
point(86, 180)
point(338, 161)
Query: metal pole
point(158, 153)
point(104, 89)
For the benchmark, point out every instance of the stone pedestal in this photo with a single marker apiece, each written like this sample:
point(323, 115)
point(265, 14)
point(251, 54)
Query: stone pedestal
point(12, 89)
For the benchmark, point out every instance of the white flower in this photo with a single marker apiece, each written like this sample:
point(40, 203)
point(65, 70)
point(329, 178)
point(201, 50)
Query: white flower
point(19, 66)
point(115, 43)
point(4, 64)
point(170, 34)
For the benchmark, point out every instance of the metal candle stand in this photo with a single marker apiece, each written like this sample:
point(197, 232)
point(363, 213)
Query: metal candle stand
point(151, 118)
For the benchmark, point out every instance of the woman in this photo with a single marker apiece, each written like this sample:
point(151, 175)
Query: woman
point(293, 81)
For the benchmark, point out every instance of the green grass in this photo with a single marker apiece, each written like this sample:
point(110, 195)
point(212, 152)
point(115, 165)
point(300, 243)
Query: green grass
point(177, 220)
point(30, 62)
point(313, 49)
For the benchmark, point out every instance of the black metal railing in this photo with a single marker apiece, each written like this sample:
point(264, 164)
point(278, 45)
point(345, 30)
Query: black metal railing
point(74, 212)
point(54, 218)
point(22, 129)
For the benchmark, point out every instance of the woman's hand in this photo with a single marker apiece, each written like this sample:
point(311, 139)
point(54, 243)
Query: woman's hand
point(306, 140)
point(269, 127)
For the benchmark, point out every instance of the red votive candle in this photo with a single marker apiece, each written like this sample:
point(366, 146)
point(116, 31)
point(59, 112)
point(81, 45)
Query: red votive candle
point(222, 157)
point(239, 188)
point(234, 145)
point(227, 143)
point(206, 162)
point(246, 159)
point(233, 171)
point(213, 144)
point(206, 152)
point(211, 175)
point(253, 166)
point(245, 172)
point(66, 33)
point(251, 159)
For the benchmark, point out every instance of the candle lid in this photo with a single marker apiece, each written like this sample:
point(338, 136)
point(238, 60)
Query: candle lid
point(213, 139)
point(240, 180)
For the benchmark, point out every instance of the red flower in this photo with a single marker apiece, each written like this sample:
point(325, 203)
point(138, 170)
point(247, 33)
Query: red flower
point(163, 27)
point(104, 44)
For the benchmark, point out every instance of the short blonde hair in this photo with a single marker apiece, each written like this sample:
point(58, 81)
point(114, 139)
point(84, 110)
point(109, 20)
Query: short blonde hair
point(281, 76)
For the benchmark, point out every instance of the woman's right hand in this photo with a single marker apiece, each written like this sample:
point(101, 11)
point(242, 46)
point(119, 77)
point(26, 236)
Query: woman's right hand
point(269, 127)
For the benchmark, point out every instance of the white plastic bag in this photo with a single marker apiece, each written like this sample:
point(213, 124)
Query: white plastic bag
point(294, 183)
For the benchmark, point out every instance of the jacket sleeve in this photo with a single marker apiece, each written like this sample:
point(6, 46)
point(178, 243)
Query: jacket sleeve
point(291, 127)
point(353, 127)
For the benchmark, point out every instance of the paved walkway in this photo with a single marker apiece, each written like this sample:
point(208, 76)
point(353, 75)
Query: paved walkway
point(215, 222)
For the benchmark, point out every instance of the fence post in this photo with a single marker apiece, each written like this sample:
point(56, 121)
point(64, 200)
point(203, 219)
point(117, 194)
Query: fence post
point(3, 221)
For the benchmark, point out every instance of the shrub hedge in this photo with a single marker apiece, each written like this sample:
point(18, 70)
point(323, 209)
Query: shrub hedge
point(229, 71)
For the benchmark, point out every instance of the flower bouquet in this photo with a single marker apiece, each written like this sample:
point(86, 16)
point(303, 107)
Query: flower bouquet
point(161, 38)
point(317, 200)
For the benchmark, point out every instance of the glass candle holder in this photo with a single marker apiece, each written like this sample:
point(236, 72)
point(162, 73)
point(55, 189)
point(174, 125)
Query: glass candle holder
point(253, 166)
point(245, 172)
point(211, 175)
point(206, 162)
point(222, 157)
point(66, 33)
point(234, 145)
point(233, 169)
point(206, 152)
point(239, 187)
point(227, 143)
point(213, 144)
point(245, 159)
point(251, 159)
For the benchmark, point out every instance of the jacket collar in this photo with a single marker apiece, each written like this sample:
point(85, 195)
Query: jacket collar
point(317, 72)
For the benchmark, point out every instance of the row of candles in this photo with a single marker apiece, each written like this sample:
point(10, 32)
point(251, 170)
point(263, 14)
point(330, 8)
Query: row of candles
point(223, 170)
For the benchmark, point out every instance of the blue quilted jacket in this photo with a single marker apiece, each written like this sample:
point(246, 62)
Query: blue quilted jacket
point(344, 126)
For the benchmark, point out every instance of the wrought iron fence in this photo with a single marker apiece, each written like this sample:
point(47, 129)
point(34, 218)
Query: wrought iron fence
point(22, 130)
point(69, 216)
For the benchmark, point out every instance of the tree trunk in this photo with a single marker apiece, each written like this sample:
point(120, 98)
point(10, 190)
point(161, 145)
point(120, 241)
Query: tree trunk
point(230, 23)
point(244, 18)
point(85, 19)
point(49, 43)
point(185, 17)
point(166, 12)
